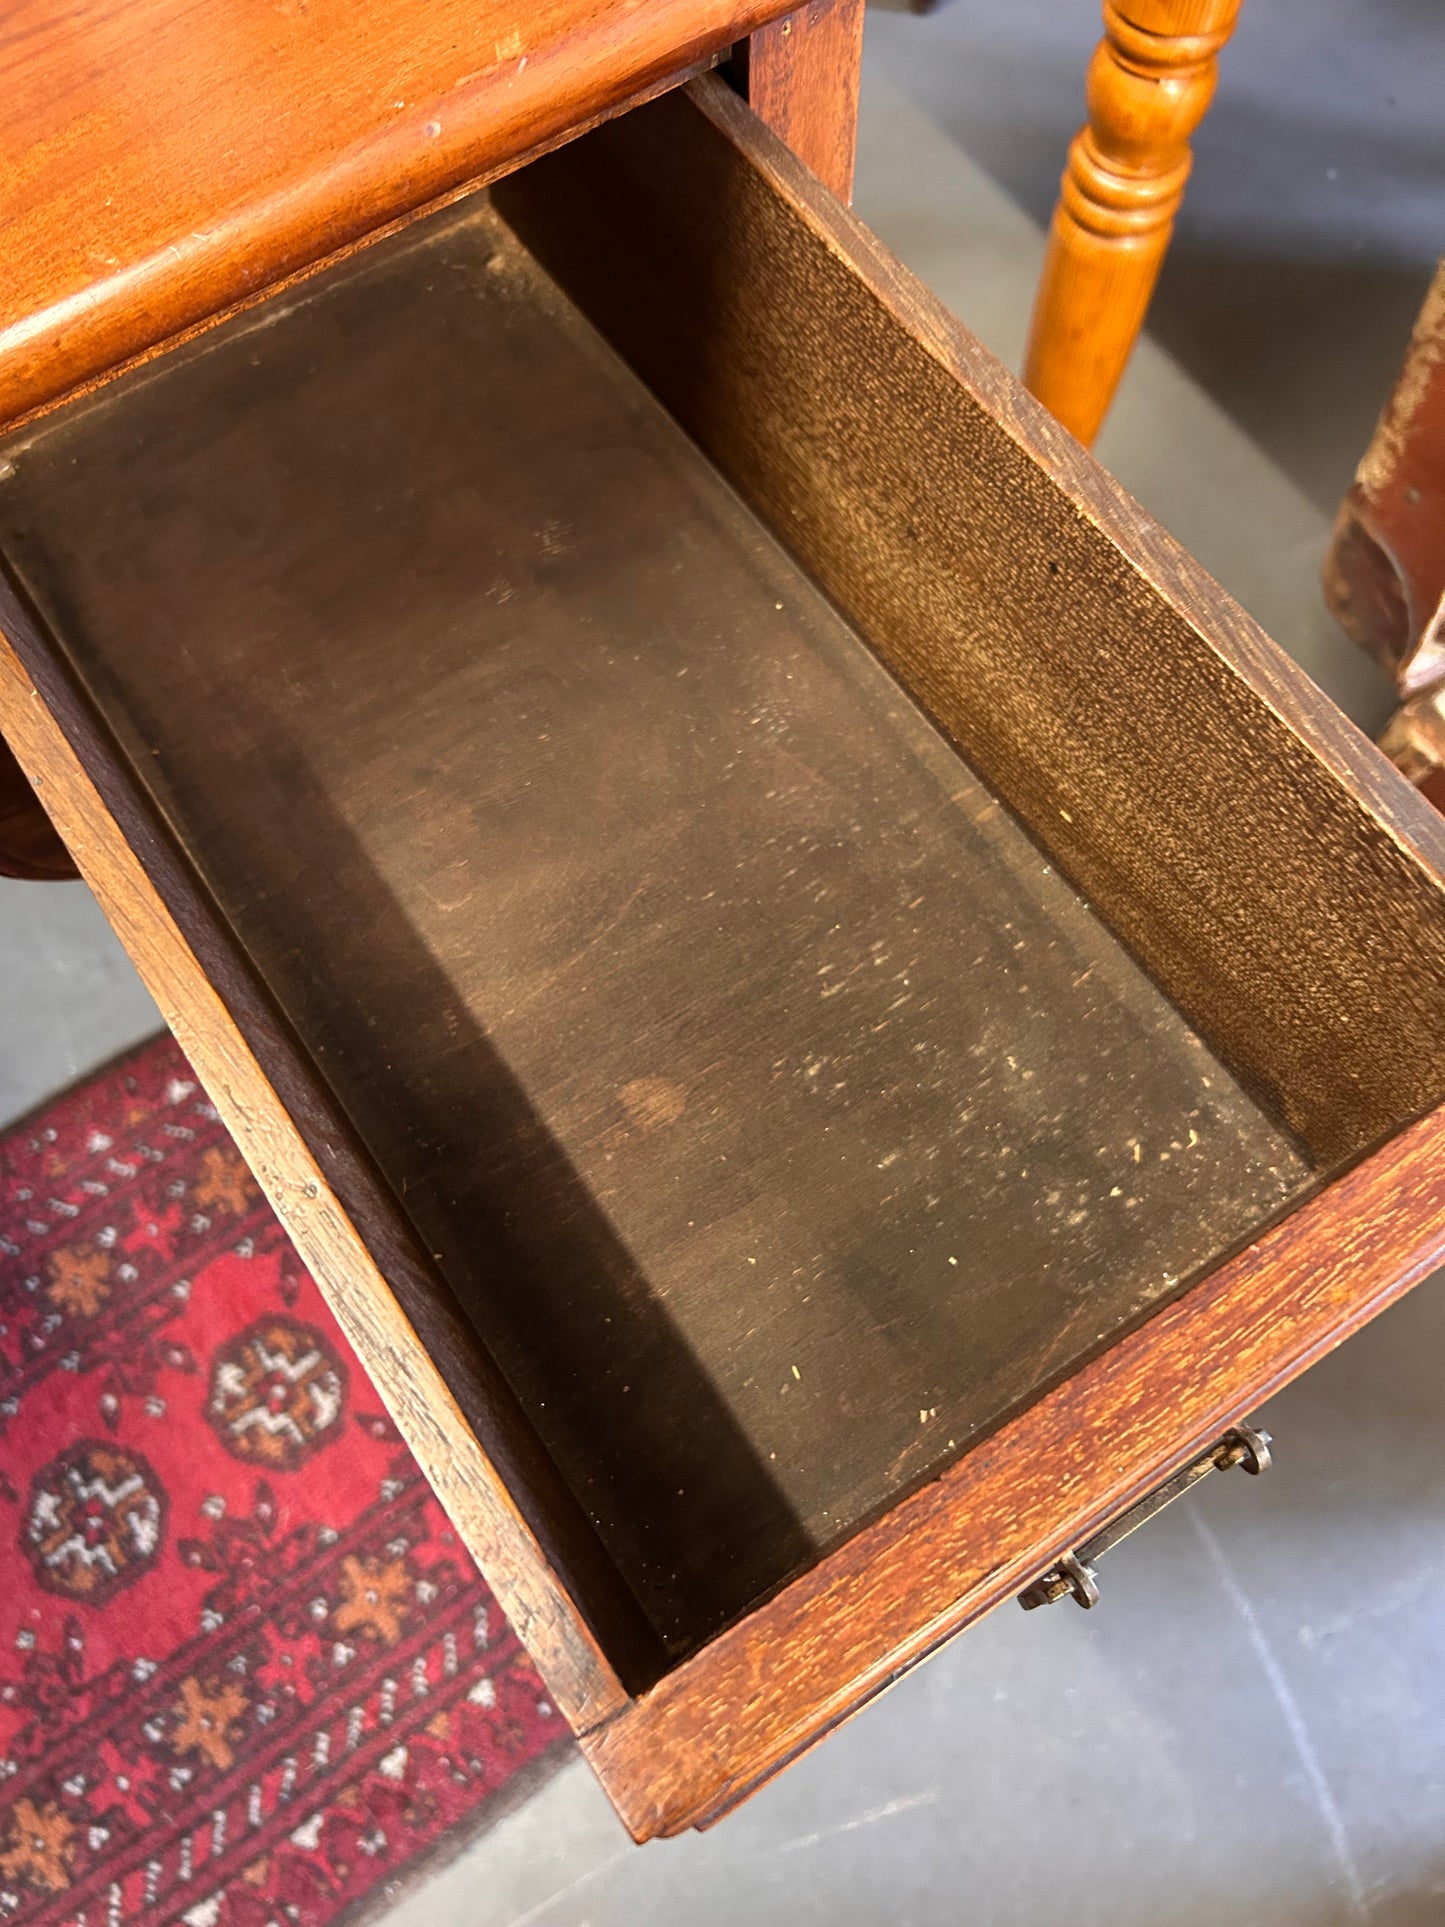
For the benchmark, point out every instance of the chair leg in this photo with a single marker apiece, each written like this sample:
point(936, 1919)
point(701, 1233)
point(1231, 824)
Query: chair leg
point(1151, 79)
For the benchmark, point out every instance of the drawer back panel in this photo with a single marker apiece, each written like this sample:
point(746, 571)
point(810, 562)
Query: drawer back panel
point(1155, 742)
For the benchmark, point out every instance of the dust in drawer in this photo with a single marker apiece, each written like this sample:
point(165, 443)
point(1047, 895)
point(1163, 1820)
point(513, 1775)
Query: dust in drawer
point(778, 1115)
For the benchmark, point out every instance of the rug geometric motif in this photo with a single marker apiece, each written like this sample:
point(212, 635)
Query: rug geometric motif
point(248, 1675)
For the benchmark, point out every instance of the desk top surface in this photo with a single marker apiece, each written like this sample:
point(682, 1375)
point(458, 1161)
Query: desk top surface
point(164, 160)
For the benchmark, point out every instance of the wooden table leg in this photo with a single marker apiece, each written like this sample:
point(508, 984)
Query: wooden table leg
point(800, 75)
point(1150, 81)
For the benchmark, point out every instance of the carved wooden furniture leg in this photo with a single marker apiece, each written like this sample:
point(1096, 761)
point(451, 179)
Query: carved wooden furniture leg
point(1150, 81)
point(29, 846)
point(1414, 741)
point(1385, 572)
point(800, 75)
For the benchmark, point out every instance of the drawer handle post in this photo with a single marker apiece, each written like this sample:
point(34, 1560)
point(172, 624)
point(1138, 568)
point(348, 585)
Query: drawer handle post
point(1073, 1576)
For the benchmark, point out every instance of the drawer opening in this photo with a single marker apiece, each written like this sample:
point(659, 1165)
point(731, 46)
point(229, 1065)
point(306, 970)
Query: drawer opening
point(777, 1109)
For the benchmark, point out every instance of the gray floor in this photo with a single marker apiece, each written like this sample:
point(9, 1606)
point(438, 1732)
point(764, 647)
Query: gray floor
point(1252, 1727)
point(68, 996)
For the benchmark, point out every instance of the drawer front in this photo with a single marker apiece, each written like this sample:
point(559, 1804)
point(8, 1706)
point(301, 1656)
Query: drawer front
point(824, 1007)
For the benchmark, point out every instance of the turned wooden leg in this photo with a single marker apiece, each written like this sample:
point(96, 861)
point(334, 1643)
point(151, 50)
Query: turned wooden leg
point(1150, 81)
point(800, 75)
point(29, 846)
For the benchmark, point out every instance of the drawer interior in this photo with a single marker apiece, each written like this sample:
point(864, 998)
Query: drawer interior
point(777, 1112)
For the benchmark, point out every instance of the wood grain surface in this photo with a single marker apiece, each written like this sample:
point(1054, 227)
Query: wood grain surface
point(1257, 855)
point(800, 75)
point(448, 1402)
point(164, 160)
point(778, 1116)
point(764, 1691)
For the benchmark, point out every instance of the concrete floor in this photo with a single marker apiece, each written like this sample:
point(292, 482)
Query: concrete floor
point(1252, 1727)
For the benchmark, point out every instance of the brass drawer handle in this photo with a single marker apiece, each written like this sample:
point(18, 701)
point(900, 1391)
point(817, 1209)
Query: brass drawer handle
point(1074, 1576)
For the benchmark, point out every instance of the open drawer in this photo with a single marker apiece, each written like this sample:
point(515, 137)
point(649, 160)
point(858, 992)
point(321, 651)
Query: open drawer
point(824, 1008)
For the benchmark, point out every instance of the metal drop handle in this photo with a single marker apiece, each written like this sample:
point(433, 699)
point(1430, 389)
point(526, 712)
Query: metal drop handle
point(1073, 1575)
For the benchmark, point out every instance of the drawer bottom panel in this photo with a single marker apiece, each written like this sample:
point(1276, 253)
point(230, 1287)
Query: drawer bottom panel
point(778, 1115)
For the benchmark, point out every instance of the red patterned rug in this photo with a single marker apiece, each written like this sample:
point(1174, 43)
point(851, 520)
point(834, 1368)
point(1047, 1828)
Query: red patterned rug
point(248, 1676)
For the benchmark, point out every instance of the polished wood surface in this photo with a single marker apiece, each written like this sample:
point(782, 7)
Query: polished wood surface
point(1385, 572)
point(800, 75)
point(1277, 879)
point(164, 160)
point(1150, 83)
point(779, 1117)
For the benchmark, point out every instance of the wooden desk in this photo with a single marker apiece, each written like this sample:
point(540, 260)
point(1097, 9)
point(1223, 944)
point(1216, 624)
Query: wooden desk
point(164, 163)
point(824, 1008)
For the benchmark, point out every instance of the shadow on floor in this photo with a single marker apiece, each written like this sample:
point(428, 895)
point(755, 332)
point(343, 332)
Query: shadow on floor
point(1300, 353)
